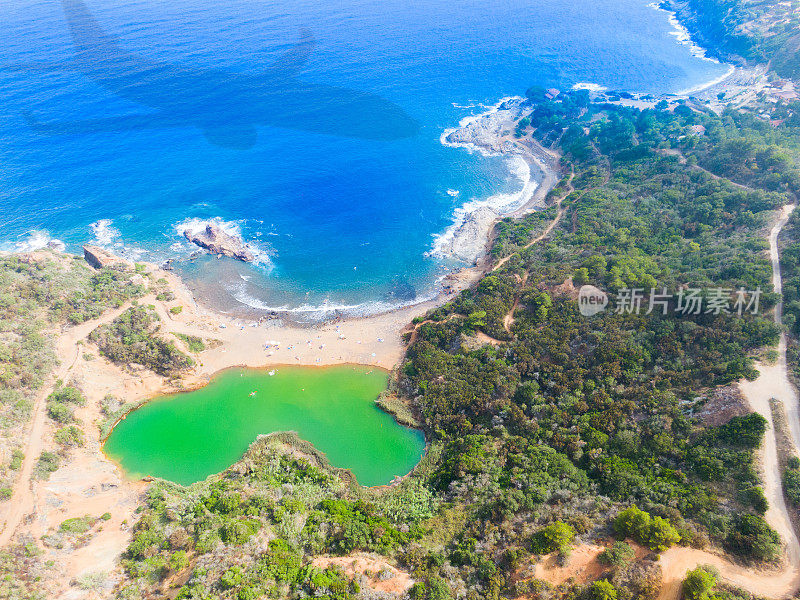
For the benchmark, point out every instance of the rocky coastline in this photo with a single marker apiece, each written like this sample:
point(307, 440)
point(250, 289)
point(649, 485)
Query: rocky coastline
point(492, 134)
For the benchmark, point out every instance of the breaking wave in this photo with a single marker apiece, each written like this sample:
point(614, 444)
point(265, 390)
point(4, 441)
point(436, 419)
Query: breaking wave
point(327, 310)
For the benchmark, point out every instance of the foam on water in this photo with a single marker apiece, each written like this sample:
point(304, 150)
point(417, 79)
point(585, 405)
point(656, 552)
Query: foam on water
point(36, 239)
point(326, 310)
point(501, 204)
point(682, 35)
point(589, 86)
point(105, 234)
point(196, 225)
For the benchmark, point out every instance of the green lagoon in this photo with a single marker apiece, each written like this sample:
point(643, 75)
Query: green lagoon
point(188, 436)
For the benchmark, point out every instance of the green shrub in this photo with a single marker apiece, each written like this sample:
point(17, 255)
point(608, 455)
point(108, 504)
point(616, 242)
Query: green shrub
point(77, 525)
point(237, 531)
point(602, 590)
point(69, 437)
point(17, 456)
point(60, 412)
point(754, 496)
point(48, 463)
point(67, 394)
point(752, 537)
point(654, 532)
point(698, 584)
point(620, 553)
point(132, 338)
point(434, 588)
point(556, 537)
point(791, 481)
point(231, 578)
point(178, 561)
point(194, 343)
point(744, 431)
point(633, 523)
point(662, 535)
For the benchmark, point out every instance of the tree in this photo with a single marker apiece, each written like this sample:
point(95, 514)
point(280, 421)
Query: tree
point(557, 536)
point(698, 584)
point(634, 523)
point(662, 535)
point(602, 590)
point(654, 532)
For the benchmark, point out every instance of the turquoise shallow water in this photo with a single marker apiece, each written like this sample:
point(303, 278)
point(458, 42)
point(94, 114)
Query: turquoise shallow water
point(342, 180)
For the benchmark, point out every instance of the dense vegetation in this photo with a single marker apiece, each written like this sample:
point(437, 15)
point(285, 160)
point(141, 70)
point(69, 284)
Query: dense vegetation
point(570, 407)
point(246, 534)
point(790, 273)
point(132, 339)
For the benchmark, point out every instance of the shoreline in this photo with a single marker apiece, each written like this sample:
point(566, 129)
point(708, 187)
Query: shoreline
point(491, 134)
point(466, 240)
point(375, 340)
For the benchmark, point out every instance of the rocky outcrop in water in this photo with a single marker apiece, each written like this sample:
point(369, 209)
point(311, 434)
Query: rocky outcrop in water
point(217, 241)
point(99, 258)
point(468, 241)
point(486, 131)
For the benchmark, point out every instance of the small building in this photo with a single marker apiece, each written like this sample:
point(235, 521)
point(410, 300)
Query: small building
point(697, 130)
point(551, 93)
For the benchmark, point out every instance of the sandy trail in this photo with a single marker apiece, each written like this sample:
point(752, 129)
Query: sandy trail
point(67, 350)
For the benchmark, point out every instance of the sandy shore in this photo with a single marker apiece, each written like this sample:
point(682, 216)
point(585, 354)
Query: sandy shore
point(374, 340)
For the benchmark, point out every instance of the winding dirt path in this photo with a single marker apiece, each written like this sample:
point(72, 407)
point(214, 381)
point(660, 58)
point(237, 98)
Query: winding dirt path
point(68, 350)
point(773, 382)
point(537, 239)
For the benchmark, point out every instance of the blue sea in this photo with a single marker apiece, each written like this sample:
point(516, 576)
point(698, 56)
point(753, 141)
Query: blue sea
point(310, 128)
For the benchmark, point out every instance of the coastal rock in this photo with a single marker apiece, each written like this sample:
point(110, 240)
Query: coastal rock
point(139, 280)
point(486, 131)
point(99, 258)
point(469, 239)
point(217, 241)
